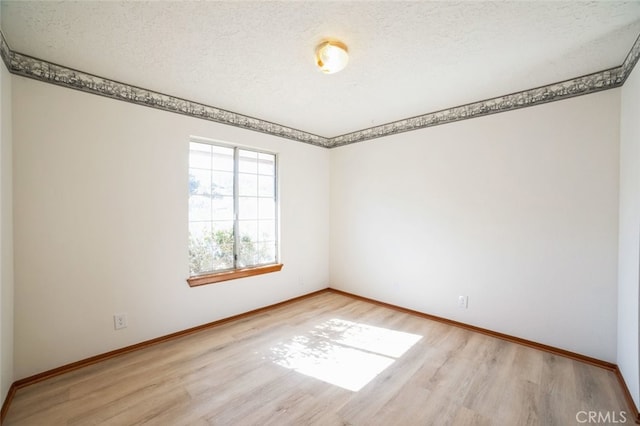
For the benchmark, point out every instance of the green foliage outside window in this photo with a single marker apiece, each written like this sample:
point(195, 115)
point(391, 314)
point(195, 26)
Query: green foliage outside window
point(211, 191)
point(214, 252)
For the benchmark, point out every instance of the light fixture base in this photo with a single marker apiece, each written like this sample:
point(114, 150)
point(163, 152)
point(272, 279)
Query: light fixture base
point(331, 56)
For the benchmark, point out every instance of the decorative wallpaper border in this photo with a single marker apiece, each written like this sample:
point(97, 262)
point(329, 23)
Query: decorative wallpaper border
point(5, 52)
point(591, 83)
point(48, 72)
point(41, 70)
point(631, 60)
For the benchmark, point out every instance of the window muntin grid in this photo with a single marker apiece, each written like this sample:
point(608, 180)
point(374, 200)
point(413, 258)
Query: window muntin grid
point(233, 220)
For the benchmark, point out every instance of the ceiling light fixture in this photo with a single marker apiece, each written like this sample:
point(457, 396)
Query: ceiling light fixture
point(331, 56)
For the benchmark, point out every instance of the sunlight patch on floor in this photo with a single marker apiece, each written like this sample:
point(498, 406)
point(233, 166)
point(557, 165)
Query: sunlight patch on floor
point(343, 353)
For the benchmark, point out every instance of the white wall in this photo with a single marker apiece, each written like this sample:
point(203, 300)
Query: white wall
point(100, 197)
point(518, 210)
point(629, 239)
point(6, 236)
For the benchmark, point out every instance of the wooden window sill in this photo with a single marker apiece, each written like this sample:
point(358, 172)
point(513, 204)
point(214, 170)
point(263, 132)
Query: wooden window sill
point(232, 275)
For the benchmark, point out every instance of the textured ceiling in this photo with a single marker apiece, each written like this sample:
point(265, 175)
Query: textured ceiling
point(256, 58)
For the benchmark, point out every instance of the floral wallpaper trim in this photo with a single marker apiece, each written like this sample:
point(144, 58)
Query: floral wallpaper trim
point(38, 69)
point(553, 92)
point(631, 60)
point(5, 52)
point(51, 73)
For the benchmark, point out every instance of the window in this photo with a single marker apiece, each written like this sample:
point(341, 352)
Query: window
point(233, 223)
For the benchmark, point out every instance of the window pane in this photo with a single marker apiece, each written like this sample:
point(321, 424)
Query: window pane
point(199, 208)
point(247, 255)
point(222, 158)
point(222, 245)
point(266, 164)
point(247, 250)
point(222, 208)
point(222, 183)
point(267, 252)
point(199, 181)
point(210, 246)
point(248, 208)
point(248, 230)
point(266, 185)
point(247, 184)
point(199, 155)
point(266, 208)
point(212, 208)
point(267, 230)
point(200, 256)
point(248, 162)
point(222, 226)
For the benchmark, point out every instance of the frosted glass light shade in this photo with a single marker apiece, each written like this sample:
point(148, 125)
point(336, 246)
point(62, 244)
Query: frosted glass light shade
point(331, 57)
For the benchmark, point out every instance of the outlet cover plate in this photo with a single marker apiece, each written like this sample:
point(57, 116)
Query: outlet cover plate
point(463, 302)
point(119, 321)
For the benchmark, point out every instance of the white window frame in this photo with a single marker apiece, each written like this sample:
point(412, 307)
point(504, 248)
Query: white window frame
point(211, 277)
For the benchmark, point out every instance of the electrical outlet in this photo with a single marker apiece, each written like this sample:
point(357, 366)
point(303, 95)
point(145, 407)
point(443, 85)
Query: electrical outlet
point(119, 321)
point(463, 302)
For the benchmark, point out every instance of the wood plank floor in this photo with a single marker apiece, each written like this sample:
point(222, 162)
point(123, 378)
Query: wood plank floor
point(325, 360)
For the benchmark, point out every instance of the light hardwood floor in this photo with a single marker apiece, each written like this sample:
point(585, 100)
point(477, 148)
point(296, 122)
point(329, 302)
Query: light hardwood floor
point(377, 366)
